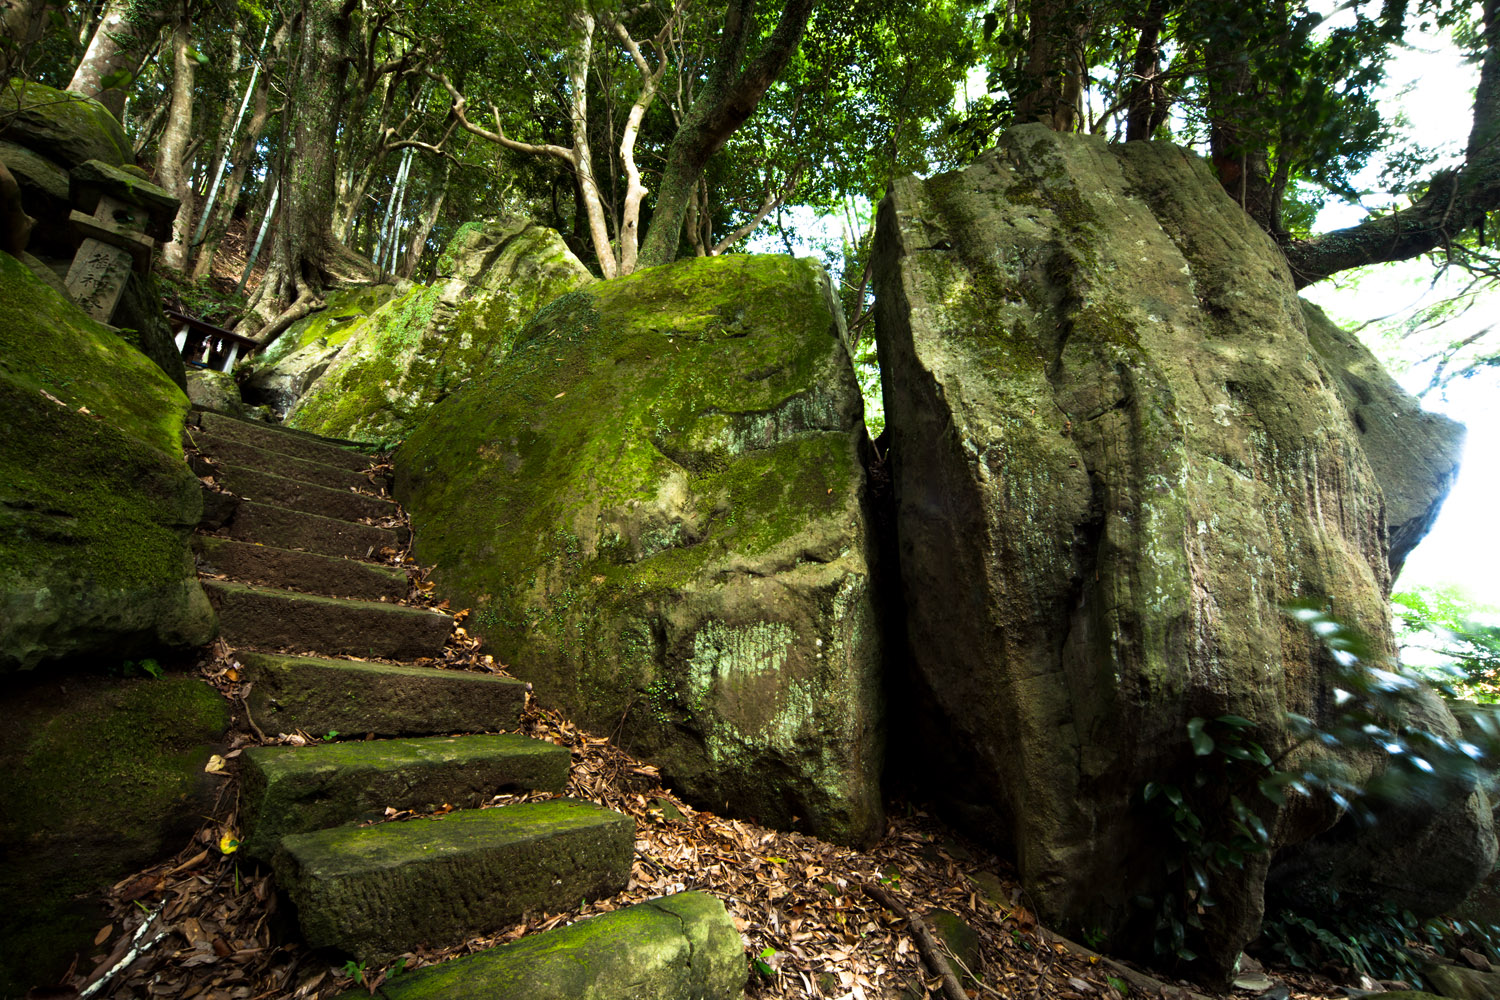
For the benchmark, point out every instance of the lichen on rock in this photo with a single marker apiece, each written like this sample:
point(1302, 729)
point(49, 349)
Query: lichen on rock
point(1116, 454)
point(656, 508)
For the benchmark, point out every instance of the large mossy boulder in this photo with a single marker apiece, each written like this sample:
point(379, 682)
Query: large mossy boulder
point(431, 339)
point(63, 126)
point(300, 356)
point(103, 777)
point(1117, 454)
point(96, 501)
point(656, 508)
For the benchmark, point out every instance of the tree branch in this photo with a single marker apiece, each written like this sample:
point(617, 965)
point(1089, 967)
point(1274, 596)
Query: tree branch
point(774, 200)
point(1455, 200)
point(460, 111)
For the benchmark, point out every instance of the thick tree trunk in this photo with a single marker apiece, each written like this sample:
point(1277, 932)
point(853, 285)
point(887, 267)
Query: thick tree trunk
point(728, 99)
point(1148, 103)
point(1054, 63)
point(304, 251)
point(120, 42)
point(1454, 202)
point(21, 25)
point(229, 194)
point(171, 171)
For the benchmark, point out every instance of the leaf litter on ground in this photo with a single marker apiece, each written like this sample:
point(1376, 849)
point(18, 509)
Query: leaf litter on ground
point(204, 924)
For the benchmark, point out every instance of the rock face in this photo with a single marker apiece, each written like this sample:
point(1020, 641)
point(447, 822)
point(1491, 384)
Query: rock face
point(104, 776)
point(1116, 455)
point(656, 508)
point(300, 356)
point(1414, 454)
point(96, 501)
point(429, 340)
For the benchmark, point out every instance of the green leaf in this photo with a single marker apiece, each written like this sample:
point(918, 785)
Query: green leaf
point(119, 78)
point(1236, 721)
point(1203, 744)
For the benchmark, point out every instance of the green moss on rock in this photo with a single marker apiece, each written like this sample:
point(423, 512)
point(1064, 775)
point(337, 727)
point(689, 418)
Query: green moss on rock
point(421, 346)
point(105, 776)
point(62, 125)
point(95, 498)
point(656, 508)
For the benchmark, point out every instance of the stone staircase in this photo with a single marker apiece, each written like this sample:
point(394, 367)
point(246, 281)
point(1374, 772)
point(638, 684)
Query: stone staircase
point(307, 583)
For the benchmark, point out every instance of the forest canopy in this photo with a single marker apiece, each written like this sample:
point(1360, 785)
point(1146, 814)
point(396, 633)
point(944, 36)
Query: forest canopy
point(320, 141)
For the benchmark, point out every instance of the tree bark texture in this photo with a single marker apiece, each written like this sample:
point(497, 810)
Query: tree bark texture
point(171, 172)
point(120, 41)
point(304, 248)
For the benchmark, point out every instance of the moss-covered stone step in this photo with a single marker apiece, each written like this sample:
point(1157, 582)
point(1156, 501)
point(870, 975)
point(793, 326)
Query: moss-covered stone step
point(288, 442)
point(309, 572)
point(374, 892)
point(317, 696)
point(298, 789)
point(228, 451)
point(293, 529)
point(263, 618)
point(296, 494)
point(682, 947)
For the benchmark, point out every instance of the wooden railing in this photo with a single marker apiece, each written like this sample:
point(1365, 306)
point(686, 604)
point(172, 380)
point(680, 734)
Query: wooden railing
point(204, 345)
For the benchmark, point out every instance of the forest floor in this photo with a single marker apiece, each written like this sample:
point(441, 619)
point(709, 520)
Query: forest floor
point(810, 927)
point(818, 920)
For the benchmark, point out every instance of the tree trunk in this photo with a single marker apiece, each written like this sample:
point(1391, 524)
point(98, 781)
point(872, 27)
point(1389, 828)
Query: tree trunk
point(171, 171)
point(120, 42)
point(304, 249)
point(1148, 103)
point(21, 25)
point(229, 196)
point(728, 98)
point(1054, 63)
point(424, 228)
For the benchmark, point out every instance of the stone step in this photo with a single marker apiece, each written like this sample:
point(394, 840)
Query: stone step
point(682, 947)
point(294, 529)
point(318, 696)
point(263, 618)
point(296, 494)
point(297, 444)
point(227, 451)
point(375, 892)
point(287, 790)
point(308, 572)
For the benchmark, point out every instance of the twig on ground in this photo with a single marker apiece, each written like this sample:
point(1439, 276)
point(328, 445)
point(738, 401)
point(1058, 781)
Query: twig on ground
point(926, 944)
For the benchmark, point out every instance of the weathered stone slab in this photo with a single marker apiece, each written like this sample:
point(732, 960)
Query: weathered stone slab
point(276, 463)
point(308, 572)
point(270, 524)
point(1116, 454)
point(280, 619)
point(289, 442)
point(681, 947)
point(656, 507)
point(61, 125)
point(318, 696)
point(299, 789)
point(378, 891)
point(310, 498)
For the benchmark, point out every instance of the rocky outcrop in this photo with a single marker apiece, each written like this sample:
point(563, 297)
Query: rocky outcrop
point(656, 508)
point(300, 356)
point(429, 340)
point(96, 501)
point(104, 776)
point(1414, 454)
point(1116, 455)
